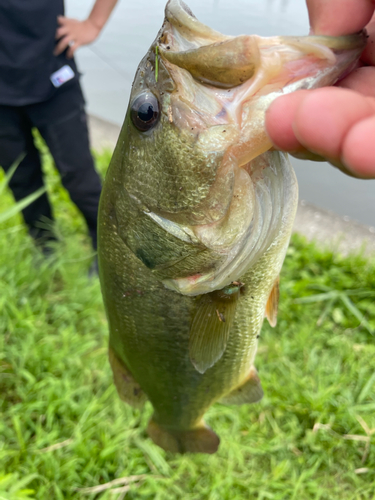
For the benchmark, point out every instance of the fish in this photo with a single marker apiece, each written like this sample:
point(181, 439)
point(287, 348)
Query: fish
point(195, 218)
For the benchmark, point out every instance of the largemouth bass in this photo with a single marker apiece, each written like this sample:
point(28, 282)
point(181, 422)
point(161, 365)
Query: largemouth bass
point(196, 215)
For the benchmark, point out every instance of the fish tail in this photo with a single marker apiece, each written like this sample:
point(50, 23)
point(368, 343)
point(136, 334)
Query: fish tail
point(201, 439)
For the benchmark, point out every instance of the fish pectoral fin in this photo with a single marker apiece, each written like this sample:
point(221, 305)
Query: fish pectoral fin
point(272, 305)
point(200, 439)
point(250, 391)
point(211, 327)
point(128, 389)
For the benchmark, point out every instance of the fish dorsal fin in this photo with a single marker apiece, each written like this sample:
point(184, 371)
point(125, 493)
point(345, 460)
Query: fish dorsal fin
point(211, 326)
point(272, 305)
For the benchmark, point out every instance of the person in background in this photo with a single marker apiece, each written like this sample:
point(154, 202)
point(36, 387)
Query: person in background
point(39, 87)
point(334, 124)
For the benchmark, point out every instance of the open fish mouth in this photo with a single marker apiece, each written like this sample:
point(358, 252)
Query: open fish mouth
point(243, 74)
point(227, 61)
point(208, 55)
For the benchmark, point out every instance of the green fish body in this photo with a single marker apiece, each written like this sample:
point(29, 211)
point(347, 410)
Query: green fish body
point(196, 215)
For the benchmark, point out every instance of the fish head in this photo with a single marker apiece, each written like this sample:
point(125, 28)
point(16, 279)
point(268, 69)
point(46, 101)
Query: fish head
point(193, 144)
point(198, 103)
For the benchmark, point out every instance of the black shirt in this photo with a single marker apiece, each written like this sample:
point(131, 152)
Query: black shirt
point(27, 41)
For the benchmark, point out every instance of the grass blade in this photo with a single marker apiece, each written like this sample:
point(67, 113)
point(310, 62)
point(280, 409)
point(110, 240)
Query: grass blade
point(367, 388)
point(10, 173)
point(353, 309)
point(17, 207)
point(320, 297)
point(325, 312)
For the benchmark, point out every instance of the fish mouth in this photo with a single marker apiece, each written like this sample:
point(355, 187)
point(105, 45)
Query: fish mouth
point(227, 61)
point(233, 79)
point(209, 56)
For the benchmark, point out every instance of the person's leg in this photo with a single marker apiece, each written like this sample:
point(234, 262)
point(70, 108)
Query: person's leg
point(63, 125)
point(16, 138)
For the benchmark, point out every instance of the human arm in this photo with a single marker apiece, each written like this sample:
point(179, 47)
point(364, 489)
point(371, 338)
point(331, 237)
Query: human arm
point(336, 124)
point(73, 33)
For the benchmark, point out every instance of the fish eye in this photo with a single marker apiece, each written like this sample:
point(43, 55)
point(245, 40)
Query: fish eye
point(145, 111)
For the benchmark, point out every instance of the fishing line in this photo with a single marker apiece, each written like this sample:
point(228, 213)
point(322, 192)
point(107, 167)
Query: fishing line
point(107, 61)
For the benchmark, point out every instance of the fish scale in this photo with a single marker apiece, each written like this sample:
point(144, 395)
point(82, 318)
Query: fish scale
point(172, 191)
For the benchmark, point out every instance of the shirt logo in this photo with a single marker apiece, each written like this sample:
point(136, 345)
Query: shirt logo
point(62, 76)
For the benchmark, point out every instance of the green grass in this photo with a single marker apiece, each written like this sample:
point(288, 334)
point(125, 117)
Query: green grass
point(62, 426)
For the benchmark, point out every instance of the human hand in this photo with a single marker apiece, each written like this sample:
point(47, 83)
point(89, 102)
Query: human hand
point(73, 33)
point(333, 124)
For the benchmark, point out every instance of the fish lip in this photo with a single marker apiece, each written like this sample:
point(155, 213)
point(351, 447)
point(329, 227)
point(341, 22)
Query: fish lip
point(209, 56)
point(174, 7)
point(225, 61)
point(345, 42)
point(246, 74)
point(179, 14)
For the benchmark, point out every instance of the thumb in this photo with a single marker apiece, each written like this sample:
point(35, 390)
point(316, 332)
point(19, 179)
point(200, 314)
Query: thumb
point(339, 17)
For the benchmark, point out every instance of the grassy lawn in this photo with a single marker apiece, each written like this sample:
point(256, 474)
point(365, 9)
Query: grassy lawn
point(63, 430)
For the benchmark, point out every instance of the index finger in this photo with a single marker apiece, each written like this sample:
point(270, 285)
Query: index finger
point(339, 17)
point(61, 20)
